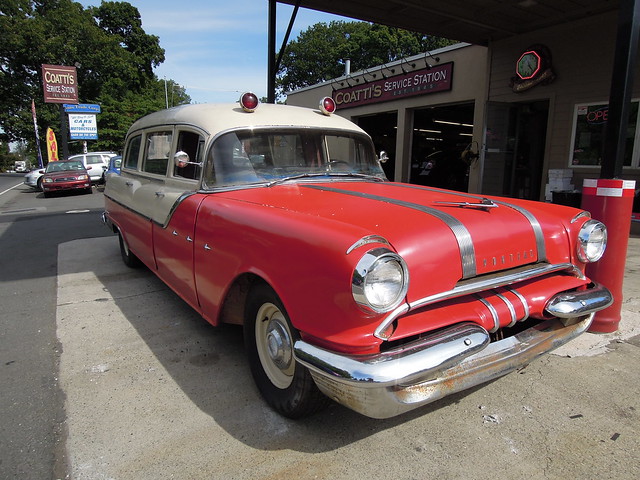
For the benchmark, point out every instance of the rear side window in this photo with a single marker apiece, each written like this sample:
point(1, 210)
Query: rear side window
point(133, 152)
point(157, 153)
point(94, 159)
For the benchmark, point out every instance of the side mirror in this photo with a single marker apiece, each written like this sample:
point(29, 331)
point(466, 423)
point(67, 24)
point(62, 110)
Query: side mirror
point(384, 157)
point(181, 160)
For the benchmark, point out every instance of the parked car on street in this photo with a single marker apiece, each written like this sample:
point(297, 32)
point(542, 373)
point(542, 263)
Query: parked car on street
point(95, 163)
point(67, 175)
point(114, 168)
point(33, 179)
point(382, 296)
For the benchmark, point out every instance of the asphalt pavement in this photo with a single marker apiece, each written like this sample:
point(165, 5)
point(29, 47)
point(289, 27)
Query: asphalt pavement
point(107, 374)
point(152, 391)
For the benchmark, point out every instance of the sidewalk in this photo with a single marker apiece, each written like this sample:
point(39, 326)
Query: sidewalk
point(596, 343)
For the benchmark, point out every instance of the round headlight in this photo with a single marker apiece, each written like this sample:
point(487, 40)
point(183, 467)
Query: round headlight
point(380, 280)
point(592, 241)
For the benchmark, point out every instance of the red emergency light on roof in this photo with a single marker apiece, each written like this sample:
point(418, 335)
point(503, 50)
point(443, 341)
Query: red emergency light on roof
point(249, 101)
point(327, 105)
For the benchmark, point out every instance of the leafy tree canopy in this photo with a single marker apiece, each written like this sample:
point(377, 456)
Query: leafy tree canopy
point(319, 53)
point(113, 55)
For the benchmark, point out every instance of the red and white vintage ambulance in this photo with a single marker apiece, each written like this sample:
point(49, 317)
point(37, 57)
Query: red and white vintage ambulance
point(381, 296)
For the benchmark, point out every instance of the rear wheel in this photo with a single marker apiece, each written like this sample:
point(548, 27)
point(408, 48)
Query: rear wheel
point(128, 257)
point(286, 385)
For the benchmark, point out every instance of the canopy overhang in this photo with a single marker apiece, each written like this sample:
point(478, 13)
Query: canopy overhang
point(482, 22)
point(473, 21)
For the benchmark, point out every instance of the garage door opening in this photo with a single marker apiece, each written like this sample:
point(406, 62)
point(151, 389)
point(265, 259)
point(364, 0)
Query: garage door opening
point(383, 130)
point(440, 136)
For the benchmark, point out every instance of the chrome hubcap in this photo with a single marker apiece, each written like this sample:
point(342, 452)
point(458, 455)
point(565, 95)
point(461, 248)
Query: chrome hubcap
point(279, 345)
point(274, 345)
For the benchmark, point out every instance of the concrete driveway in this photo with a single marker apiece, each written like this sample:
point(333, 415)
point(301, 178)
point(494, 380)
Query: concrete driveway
point(154, 392)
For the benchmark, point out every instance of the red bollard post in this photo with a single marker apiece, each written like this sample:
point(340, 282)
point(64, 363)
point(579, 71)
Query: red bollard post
point(611, 202)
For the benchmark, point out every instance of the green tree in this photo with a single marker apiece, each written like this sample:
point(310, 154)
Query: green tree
point(319, 53)
point(113, 55)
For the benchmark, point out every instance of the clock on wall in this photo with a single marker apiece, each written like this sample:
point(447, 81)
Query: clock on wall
point(532, 68)
point(528, 65)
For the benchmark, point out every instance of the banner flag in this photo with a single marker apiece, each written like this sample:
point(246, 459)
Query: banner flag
point(35, 127)
point(52, 146)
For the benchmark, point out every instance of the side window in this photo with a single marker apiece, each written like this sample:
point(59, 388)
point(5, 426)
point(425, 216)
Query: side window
point(133, 152)
point(156, 156)
point(193, 145)
point(94, 159)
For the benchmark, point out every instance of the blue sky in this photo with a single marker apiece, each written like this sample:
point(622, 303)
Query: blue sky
point(217, 49)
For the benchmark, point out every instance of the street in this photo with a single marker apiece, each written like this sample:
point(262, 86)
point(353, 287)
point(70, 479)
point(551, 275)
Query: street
point(107, 374)
point(31, 228)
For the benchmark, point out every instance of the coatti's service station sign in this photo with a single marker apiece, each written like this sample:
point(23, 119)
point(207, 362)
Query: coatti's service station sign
point(417, 82)
point(60, 84)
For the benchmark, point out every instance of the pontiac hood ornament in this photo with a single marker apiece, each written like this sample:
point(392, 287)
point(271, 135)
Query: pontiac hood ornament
point(485, 204)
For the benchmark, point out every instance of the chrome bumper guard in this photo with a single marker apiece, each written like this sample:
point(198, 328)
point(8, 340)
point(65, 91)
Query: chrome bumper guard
point(449, 361)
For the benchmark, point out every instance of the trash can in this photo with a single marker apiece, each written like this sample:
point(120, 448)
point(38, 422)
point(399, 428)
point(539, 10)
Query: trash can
point(570, 198)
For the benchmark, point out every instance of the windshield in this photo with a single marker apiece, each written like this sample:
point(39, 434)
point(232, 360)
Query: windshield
point(266, 156)
point(64, 166)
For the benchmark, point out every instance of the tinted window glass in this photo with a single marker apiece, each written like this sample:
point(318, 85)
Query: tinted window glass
point(133, 151)
point(157, 153)
point(192, 144)
point(252, 157)
point(93, 159)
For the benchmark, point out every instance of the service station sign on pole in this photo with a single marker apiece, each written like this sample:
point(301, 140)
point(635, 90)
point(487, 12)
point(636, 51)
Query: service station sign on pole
point(60, 84)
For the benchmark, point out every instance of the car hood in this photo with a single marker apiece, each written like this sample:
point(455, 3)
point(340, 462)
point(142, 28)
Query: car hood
point(65, 174)
point(429, 227)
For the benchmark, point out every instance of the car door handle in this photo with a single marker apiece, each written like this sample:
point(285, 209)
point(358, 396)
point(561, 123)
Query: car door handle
point(189, 239)
point(128, 184)
point(159, 194)
point(207, 247)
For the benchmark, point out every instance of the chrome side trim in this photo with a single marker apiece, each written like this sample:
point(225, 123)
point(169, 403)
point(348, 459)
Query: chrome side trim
point(512, 310)
point(584, 214)
point(475, 285)
point(493, 311)
point(126, 207)
point(527, 312)
point(366, 241)
point(430, 369)
point(175, 205)
point(463, 237)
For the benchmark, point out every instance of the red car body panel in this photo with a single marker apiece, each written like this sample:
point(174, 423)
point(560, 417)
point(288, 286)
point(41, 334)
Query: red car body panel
point(304, 218)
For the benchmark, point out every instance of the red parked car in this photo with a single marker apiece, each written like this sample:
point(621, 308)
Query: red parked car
point(382, 296)
point(65, 176)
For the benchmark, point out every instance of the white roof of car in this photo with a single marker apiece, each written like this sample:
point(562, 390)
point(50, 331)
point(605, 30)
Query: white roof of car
point(214, 118)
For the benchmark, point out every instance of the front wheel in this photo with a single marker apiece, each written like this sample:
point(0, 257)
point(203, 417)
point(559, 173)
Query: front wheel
point(286, 385)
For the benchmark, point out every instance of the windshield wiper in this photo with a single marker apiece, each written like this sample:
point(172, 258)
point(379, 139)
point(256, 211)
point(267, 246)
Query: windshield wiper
point(295, 177)
point(324, 174)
